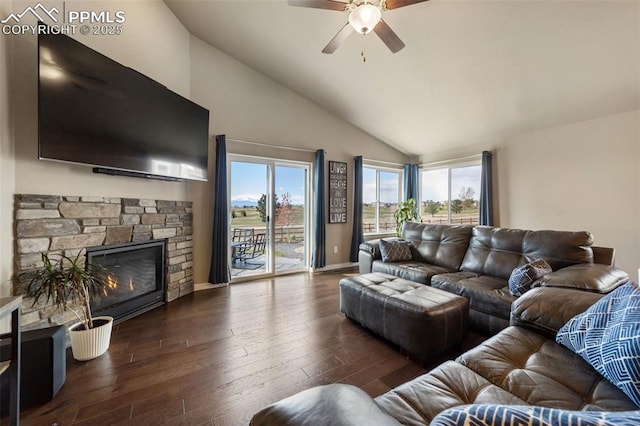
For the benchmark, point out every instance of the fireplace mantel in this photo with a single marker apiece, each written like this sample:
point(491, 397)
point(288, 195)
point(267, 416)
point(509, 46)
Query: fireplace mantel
point(69, 224)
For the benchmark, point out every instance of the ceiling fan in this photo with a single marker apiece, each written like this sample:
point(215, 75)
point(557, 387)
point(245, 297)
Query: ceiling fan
point(364, 16)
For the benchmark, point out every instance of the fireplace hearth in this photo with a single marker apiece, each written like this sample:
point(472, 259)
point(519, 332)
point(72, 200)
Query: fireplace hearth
point(135, 278)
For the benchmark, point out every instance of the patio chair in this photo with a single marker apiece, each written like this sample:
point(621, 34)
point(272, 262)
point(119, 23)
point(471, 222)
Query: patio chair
point(241, 244)
point(259, 244)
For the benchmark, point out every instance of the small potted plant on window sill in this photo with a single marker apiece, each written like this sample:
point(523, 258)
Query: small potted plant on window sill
point(70, 285)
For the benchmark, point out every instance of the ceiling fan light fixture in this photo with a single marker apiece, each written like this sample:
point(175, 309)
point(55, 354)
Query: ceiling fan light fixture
point(364, 18)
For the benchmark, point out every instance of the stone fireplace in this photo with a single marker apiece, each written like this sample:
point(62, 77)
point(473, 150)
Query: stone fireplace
point(70, 224)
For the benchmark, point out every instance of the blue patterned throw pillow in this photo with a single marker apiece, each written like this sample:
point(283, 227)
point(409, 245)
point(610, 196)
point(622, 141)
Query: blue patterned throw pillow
point(607, 336)
point(523, 276)
point(520, 415)
point(395, 251)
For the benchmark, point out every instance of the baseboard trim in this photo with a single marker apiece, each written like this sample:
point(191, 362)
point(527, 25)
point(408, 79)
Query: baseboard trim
point(336, 266)
point(208, 286)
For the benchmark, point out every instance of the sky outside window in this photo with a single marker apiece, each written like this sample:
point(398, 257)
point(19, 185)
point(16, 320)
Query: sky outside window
point(435, 184)
point(389, 186)
point(249, 182)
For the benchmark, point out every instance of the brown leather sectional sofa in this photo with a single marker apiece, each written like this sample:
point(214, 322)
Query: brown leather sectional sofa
point(520, 366)
point(476, 262)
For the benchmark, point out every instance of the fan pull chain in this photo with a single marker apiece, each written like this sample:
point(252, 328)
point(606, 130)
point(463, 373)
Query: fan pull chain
point(364, 58)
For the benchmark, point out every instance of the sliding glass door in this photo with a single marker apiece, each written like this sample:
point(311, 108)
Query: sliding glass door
point(269, 232)
point(291, 216)
point(250, 227)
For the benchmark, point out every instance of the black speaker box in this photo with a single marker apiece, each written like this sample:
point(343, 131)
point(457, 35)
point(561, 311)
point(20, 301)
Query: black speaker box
point(43, 366)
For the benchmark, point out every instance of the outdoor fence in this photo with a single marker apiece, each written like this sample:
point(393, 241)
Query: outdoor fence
point(295, 234)
point(288, 234)
point(454, 221)
point(369, 227)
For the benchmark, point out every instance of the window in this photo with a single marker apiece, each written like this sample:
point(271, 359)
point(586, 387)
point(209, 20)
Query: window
point(381, 194)
point(451, 194)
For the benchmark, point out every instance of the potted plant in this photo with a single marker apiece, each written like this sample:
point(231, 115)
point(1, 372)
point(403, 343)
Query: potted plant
point(70, 285)
point(407, 211)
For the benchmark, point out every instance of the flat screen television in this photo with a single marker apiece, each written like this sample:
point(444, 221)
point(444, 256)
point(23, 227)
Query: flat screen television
point(95, 111)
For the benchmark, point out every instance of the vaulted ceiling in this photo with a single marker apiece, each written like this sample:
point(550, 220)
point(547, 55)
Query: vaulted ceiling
point(472, 71)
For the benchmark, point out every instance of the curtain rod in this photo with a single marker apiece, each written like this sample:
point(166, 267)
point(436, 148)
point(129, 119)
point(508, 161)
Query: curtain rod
point(271, 146)
point(382, 162)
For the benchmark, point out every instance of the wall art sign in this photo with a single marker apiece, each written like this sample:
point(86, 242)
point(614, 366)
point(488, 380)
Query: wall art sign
point(337, 192)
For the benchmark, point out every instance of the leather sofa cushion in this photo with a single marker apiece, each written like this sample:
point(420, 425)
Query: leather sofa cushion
point(546, 309)
point(418, 401)
point(441, 245)
point(541, 372)
point(338, 404)
point(498, 251)
point(486, 294)
point(410, 270)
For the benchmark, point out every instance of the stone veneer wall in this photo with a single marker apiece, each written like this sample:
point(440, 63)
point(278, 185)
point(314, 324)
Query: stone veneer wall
point(69, 224)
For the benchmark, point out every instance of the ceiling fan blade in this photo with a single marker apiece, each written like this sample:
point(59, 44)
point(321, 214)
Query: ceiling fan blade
point(394, 4)
point(320, 4)
point(338, 39)
point(389, 38)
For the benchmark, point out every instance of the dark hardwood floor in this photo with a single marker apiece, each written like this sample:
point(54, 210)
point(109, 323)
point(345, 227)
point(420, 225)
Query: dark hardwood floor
point(217, 356)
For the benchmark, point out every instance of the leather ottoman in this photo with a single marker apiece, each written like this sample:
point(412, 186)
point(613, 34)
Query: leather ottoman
point(422, 320)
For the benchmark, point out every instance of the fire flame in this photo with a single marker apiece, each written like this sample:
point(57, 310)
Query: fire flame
point(112, 284)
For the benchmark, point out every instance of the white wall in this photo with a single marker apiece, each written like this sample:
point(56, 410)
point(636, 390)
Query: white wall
point(243, 104)
point(580, 176)
point(154, 42)
point(246, 105)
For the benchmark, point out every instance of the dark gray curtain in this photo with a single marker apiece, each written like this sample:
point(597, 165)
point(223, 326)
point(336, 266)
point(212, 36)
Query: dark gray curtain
point(319, 259)
point(357, 235)
point(411, 181)
point(219, 271)
point(486, 192)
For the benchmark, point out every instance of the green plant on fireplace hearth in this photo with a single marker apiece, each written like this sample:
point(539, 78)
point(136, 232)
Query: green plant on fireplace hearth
point(406, 211)
point(68, 284)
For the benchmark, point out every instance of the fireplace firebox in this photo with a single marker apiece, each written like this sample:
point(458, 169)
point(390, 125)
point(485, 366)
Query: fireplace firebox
point(135, 278)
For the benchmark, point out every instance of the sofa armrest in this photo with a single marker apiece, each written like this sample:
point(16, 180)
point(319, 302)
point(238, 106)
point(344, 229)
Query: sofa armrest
point(369, 251)
point(372, 247)
point(365, 262)
point(336, 404)
point(546, 309)
point(604, 255)
point(593, 277)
